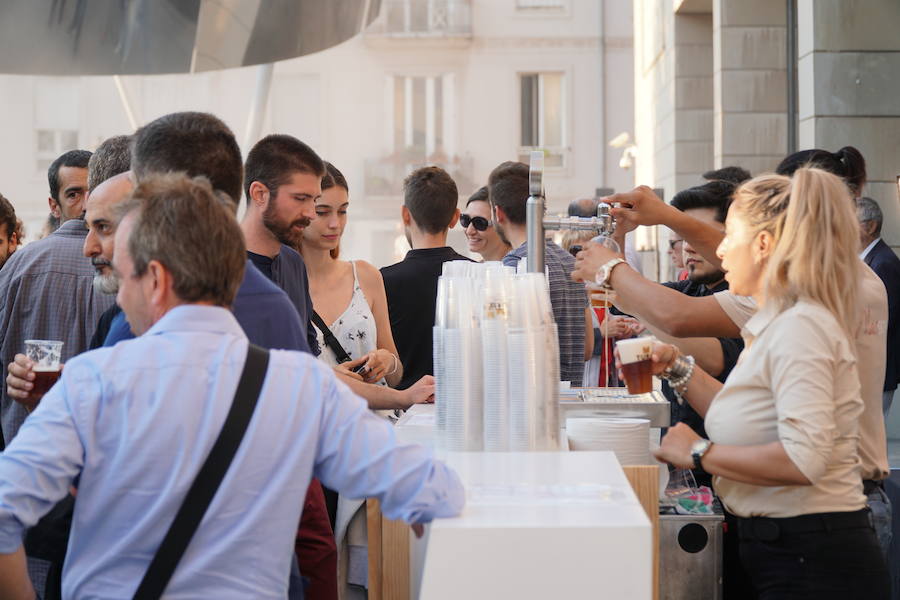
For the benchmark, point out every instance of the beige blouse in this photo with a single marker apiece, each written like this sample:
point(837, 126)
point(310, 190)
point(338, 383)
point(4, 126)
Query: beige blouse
point(796, 382)
point(869, 342)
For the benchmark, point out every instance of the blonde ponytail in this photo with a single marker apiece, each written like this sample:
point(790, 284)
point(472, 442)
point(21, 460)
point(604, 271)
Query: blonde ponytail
point(813, 221)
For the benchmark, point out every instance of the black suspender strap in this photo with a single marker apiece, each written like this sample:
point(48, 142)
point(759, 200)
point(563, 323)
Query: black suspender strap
point(207, 482)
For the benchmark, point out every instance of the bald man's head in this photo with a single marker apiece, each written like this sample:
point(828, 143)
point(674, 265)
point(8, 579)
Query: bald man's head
point(583, 207)
point(100, 217)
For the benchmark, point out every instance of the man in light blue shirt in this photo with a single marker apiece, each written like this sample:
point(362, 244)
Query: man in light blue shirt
point(136, 421)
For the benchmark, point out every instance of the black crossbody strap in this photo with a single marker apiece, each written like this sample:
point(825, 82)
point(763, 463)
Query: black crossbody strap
point(208, 479)
point(339, 353)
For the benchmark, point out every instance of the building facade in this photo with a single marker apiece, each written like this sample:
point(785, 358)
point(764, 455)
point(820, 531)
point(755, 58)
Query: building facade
point(465, 84)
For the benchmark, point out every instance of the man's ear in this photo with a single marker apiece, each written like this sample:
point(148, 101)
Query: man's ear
point(405, 216)
point(454, 220)
point(160, 281)
point(54, 207)
point(499, 215)
point(870, 227)
point(259, 195)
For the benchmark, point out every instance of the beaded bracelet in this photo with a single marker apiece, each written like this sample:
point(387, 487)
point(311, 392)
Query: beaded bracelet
point(679, 373)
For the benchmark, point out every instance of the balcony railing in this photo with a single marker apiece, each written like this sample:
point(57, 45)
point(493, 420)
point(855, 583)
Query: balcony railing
point(384, 176)
point(424, 18)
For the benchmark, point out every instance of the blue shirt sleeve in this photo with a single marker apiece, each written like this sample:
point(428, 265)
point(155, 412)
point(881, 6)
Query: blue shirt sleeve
point(359, 456)
point(35, 475)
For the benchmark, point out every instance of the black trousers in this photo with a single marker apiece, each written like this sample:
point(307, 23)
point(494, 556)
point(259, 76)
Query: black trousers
point(824, 556)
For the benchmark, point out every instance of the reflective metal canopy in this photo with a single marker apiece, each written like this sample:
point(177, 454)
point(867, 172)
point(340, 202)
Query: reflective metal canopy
point(133, 37)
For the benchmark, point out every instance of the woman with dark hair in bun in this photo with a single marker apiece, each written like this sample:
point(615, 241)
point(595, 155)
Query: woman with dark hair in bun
point(847, 163)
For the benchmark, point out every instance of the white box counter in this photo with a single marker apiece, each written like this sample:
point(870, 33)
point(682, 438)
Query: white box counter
point(536, 525)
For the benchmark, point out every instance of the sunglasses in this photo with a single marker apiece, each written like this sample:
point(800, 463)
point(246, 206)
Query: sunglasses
point(479, 223)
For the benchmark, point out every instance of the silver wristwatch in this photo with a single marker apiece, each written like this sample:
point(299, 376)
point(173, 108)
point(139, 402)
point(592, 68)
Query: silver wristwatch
point(698, 450)
point(605, 271)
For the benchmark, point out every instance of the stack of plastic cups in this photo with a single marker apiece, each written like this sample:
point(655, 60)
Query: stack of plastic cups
point(533, 368)
point(457, 361)
point(494, 325)
point(525, 368)
point(546, 432)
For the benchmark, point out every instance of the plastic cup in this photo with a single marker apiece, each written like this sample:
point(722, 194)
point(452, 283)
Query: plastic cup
point(46, 355)
point(634, 355)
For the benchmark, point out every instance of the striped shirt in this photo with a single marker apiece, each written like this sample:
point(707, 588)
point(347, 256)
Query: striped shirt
point(569, 301)
point(47, 293)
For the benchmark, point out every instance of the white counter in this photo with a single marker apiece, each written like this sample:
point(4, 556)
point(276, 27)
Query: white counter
point(536, 525)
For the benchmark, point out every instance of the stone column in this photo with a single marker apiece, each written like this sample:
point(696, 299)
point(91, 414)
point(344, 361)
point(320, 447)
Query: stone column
point(749, 83)
point(849, 90)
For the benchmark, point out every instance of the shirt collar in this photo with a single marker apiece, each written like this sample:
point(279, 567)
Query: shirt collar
point(441, 251)
point(72, 227)
point(198, 317)
point(759, 321)
point(865, 252)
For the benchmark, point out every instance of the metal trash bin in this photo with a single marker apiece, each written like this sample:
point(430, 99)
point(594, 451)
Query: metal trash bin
point(690, 557)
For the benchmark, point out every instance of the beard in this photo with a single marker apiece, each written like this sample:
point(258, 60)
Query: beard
point(284, 232)
point(499, 229)
point(105, 283)
point(705, 278)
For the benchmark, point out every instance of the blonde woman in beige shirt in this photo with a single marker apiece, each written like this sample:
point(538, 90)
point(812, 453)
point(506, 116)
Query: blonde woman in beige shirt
point(784, 427)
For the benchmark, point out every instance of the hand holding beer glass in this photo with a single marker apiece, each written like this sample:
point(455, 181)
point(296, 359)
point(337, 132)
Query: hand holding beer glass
point(44, 356)
point(635, 361)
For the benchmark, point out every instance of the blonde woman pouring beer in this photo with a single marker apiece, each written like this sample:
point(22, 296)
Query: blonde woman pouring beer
point(783, 427)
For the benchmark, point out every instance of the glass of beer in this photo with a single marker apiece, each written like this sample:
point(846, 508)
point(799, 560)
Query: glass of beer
point(45, 354)
point(634, 356)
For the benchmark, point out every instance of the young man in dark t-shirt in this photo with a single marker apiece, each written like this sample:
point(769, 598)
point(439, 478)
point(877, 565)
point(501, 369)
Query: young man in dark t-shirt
point(708, 203)
point(429, 210)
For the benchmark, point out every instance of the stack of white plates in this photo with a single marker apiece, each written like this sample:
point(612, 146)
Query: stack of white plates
point(628, 438)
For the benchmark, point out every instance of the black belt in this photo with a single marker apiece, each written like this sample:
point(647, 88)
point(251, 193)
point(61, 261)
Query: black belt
point(870, 485)
point(768, 529)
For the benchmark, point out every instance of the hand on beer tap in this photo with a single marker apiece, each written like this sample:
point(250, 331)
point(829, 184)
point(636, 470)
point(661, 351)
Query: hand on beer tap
point(675, 447)
point(20, 382)
point(640, 206)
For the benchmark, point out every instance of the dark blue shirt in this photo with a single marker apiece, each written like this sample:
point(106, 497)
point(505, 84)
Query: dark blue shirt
point(264, 311)
point(288, 271)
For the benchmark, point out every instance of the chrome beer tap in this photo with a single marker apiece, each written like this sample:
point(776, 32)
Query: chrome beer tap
point(537, 223)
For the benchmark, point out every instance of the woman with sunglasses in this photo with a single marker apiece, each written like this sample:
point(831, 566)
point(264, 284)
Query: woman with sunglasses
point(482, 237)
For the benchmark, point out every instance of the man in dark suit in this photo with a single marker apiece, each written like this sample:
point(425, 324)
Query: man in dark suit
point(883, 260)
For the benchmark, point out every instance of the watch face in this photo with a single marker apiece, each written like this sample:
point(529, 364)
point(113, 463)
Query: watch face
point(699, 447)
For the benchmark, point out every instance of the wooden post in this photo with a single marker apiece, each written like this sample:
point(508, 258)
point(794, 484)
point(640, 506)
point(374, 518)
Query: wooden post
point(644, 480)
point(388, 555)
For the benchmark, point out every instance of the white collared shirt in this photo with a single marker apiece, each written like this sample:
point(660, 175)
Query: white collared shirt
point(870, 342)
point(865, 252)
point(795, 382)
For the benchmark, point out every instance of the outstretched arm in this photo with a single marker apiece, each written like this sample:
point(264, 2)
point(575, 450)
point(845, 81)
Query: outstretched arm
point(641, 206)
point(359, 456)
point(666, 309)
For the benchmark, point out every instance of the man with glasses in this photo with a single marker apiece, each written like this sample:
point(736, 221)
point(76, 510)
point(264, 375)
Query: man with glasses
point(480, 231)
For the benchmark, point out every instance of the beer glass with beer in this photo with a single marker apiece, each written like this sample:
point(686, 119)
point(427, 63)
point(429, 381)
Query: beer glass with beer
point(634, 356)
point(45, 354)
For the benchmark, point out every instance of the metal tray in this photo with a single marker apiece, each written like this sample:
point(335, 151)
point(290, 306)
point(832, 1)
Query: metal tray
point(616, 402)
